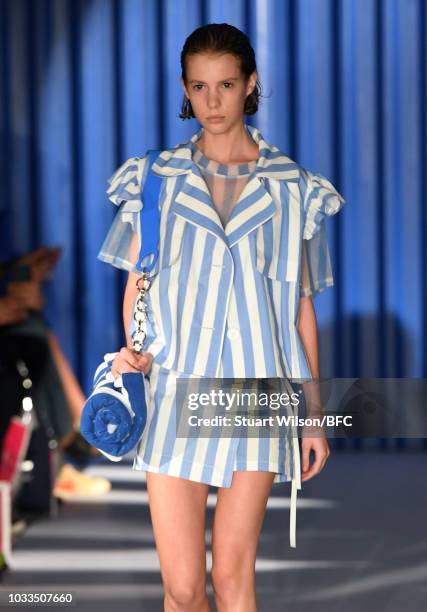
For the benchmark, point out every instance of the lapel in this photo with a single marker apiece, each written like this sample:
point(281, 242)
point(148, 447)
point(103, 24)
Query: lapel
point(255, 204)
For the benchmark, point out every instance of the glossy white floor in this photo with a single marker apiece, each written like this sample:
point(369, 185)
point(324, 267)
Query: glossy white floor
point(361, 542)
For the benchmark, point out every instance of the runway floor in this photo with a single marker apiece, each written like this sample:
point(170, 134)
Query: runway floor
point(361, 543)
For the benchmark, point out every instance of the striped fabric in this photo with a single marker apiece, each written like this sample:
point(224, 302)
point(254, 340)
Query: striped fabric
point(316, 270)
point(224, 298)
point(225, 182)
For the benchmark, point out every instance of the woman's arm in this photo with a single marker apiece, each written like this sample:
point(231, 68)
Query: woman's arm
point(130, 295)
point(307, 329)
point(131, 291)
point(126, 360)
point(307, 324)
point(312, 438)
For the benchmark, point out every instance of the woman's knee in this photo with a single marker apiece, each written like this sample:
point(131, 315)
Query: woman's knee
point(185, 595)
point(228, 581)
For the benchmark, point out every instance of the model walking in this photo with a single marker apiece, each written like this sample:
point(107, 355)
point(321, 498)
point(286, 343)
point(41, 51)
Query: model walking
point(242, 252)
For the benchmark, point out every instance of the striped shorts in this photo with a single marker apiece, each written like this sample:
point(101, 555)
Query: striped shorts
point(209, 460)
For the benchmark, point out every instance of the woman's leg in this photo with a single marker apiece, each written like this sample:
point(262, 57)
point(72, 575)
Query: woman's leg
point(237, 523)
point(178, 510)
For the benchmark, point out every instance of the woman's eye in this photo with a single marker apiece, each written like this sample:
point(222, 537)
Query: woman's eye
point(199, 86)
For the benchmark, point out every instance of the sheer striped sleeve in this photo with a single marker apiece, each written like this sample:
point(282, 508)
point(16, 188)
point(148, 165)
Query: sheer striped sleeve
point(121, 245)
point(321, 201)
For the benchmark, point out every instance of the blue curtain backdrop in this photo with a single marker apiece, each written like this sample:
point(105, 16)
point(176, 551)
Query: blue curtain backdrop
point(87, 84)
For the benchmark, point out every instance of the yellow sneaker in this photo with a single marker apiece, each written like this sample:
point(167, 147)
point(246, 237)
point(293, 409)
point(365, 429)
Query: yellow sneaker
point(71, 483)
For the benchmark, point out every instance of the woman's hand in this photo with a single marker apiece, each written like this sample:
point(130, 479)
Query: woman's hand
point(319, 445)
point(42, 261)
point(27, 293)
point(129, 361)
point(12, 311)
point(313, 436)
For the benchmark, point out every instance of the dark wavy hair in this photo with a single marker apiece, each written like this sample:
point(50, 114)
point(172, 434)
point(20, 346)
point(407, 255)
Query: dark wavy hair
point(221, 38)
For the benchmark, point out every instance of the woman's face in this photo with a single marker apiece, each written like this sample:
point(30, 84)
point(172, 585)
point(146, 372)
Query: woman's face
point(217, 90)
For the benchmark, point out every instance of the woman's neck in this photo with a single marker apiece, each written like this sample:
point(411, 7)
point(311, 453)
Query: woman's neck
point(232, 147)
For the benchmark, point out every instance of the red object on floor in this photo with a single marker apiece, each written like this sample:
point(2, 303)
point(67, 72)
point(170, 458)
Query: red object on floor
point(15, 446)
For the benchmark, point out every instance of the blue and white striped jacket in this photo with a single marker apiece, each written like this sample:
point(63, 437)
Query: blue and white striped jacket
point(224, 301)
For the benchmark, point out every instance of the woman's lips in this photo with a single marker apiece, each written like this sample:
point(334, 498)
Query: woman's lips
point(215, 119)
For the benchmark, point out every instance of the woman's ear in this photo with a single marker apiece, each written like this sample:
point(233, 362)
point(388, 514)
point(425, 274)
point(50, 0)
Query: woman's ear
point(184, 87)
point(251, 83)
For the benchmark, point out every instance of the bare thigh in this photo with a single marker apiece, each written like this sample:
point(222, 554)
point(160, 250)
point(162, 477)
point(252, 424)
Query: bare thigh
point(178, 511)
point(238, 519)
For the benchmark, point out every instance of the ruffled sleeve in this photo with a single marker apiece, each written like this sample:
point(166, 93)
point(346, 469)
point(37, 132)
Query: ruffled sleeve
point(121, 245)
point(322, 200)
point(316, 270)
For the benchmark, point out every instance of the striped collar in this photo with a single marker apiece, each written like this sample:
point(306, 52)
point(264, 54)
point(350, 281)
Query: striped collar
point(272, 163)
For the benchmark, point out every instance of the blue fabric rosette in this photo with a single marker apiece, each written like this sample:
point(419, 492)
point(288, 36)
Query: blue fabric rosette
point(114, 415)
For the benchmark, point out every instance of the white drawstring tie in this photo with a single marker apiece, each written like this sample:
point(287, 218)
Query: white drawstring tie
point(296, 484)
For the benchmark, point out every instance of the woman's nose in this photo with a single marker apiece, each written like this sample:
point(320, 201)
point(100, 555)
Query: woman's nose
point(213, 101)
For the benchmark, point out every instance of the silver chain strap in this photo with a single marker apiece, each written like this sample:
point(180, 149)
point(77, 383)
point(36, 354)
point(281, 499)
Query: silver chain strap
point(140, 314)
